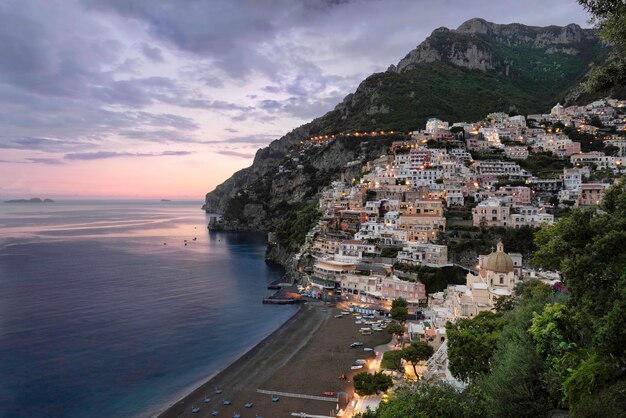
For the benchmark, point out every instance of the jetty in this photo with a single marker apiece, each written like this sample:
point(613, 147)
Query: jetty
point(282, 297)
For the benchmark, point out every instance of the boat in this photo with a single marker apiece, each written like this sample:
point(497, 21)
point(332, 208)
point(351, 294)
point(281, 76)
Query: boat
point(360, 361)
point(339, 316)
point(215, 412)
point(356, 367)
point(207, 399)
point(218, 390)
point(248, 405)
point(236, 416)
point(195, 409)
point(227, 402)
point(275, 398)
point(368, 349)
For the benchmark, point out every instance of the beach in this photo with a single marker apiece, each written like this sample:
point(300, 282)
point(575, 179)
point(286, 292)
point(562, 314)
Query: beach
point(306, 356)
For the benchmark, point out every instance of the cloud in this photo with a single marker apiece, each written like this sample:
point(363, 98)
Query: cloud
point(231, 153)
point(81, 76)
point(100, 155)
point(259, 139)
point(39, 144)
point(47, 161)
point(153, 53)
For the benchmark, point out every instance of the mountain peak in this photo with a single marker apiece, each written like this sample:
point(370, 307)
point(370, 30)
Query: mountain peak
point(473, 44)
point(475, 25)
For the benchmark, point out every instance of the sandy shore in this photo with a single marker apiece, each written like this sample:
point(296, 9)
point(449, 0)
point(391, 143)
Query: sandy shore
point(306, 355)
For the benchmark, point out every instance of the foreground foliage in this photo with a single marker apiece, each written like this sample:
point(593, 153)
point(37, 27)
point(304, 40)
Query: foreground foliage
point(425, 400)
point(370, 384)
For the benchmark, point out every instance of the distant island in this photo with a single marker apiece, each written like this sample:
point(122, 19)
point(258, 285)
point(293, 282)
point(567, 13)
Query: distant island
point(165, 200)
point(33, 200)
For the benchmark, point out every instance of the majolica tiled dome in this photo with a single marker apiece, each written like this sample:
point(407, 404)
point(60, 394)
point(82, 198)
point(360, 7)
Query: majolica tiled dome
point(499, 261)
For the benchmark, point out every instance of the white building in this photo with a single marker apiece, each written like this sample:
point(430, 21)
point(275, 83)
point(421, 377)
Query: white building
point(418, 253)
point(433, 125)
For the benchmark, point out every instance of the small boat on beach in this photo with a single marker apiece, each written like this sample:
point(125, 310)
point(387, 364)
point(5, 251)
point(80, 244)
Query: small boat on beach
point(195, 409)
point(227, 402)
point(248, 405)
point(218, 390)
point(275, 398)
point(207, 399)
point(215, 412)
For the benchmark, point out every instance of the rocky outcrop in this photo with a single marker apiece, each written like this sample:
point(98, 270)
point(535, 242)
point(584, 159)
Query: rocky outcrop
point(472, 45)
point(264, 160)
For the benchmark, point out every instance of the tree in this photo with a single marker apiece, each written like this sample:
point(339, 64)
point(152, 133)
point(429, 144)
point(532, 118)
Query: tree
point(584, 339)
point(611, 150)
point(399, 303)
point(396, 330)
point(400, 313)
point(432, 400)
point(371, 384)
point(610, 19)
point(392, 360)
point(417, 352)
point(504, 304)
point(471, 344)
point(516, 362)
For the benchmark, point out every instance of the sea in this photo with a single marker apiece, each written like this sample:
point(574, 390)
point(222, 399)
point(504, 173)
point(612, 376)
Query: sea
point(120, 308)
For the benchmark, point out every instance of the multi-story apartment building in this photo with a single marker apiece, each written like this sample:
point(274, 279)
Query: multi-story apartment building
point(591, 194)
point(394, 288)
point(423, 253)
point(491, 212)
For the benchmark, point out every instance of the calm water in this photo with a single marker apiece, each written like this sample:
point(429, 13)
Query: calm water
point(98, 318)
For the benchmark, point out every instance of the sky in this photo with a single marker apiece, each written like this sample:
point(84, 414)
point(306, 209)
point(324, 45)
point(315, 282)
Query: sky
point(167, 99)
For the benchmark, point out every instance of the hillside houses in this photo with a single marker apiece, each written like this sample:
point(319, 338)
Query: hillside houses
point(510, 172)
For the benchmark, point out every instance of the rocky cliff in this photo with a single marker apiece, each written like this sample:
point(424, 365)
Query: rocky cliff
point(456, 75)
point(473, 45)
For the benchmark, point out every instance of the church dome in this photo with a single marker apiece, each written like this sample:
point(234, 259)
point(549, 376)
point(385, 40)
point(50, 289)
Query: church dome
point(499, 261)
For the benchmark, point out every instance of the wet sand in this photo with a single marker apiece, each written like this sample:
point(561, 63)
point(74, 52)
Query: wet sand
point(306, 355)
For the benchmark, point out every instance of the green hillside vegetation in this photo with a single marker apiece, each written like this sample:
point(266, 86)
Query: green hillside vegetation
point(439, 89)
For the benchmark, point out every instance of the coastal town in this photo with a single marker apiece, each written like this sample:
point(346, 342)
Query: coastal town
point(437, 229)
point(405, 217)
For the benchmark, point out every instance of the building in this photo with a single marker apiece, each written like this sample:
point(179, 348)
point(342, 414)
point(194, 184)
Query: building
point(591, 194)
point(520, 195)
point(454, 196)
point(497, 277)
point(393, 288)
point(491, 212)
point(351, 220)
point(331, 268)
point(433, 125)
point(355, 248)
point(499, 168)
point(530, 216)
point(594, 158)
point(357, 284)
point(572, 178)
point(516, 152)
point(417, 253)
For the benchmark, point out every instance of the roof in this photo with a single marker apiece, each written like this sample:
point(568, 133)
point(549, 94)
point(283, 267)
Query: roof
point(352, 241)
point(499, 261)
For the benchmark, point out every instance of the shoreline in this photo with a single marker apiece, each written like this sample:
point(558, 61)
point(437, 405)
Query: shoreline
point(306, 355)
point(218, 375)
